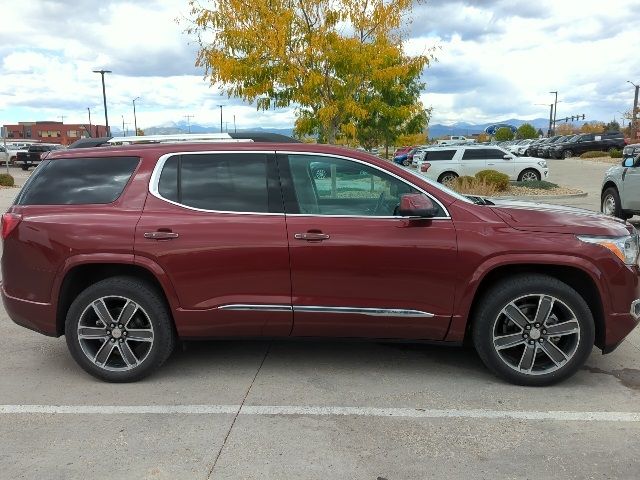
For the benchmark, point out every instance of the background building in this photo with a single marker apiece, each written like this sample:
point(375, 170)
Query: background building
point(54, 132)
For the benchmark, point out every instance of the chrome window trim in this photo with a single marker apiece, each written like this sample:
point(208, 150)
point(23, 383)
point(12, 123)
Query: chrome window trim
point(447, 216)
point(372, 312)
point(154, 182)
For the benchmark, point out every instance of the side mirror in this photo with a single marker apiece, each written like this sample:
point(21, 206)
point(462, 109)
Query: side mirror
point(628, 162)
point(417, 205)
point(507, 157)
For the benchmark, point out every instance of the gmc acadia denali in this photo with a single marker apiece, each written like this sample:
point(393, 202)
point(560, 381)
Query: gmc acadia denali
point(126, 249)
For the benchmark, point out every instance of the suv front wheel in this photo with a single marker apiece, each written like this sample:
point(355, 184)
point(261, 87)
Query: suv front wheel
point(611, 204)
point(119, 330)
point(533, 330)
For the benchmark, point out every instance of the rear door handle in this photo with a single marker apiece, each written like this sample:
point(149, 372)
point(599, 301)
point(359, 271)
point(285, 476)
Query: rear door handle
point(311, 236)
point(160, 235)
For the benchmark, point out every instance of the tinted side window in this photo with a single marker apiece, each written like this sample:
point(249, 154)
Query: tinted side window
point(440, 155)
point(474, 154)
point(73, 181)
point(232, 182)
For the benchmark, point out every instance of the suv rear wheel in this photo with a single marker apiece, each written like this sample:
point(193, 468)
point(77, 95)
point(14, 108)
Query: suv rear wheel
point(533, 330)
point(567, 153)
point(447, 177)
point(119, 330)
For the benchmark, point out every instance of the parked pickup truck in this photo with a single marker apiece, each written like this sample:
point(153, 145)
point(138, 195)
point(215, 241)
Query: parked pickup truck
point(588, 142)
point(32, 157)
point(456, 140)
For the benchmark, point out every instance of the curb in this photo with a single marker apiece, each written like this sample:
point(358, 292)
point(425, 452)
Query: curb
point(544, 197)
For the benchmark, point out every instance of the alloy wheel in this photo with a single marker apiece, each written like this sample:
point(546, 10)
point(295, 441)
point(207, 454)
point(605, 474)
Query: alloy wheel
point(536, 334)
point(529, 176)
point(115, 333)
point(609, 205)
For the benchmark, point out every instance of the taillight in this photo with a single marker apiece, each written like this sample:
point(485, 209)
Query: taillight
point(424, 167)
point(9, 222)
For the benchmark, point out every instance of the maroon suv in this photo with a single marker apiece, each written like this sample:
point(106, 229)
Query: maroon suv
point(126, 249)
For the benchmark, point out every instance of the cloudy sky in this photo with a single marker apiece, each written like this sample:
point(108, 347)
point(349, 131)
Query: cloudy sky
point(497, 59)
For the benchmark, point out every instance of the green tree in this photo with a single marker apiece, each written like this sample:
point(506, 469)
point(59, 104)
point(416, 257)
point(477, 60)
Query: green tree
point(329, 58)
point(526, 130)
point(503, 134)
point(612, 126)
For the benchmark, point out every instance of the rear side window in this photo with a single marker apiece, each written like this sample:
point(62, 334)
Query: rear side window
point(228, 182)
point(74, 181)
point(440, 154)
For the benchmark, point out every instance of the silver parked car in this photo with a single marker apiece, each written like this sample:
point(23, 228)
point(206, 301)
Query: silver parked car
point(621, 185)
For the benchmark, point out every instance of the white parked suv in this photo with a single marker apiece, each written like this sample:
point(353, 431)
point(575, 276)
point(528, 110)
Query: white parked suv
point(445, 164)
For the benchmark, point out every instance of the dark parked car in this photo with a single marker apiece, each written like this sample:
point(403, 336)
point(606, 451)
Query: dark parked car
point(32, 157)
point(126, 249)
point(544, 150)
point(588, 142)
point(536, 150)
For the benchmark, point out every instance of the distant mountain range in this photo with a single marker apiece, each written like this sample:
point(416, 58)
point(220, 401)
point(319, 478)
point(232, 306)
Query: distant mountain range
point(172, 128)
point(435, 130)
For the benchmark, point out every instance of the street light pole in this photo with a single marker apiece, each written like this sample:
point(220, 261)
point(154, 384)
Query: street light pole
point(123, 130)
point(234, 124)
point(555, 111)
point(634, 124)
point(90, 127)
point(104, 99)
point(220, 118)
point(135, 120)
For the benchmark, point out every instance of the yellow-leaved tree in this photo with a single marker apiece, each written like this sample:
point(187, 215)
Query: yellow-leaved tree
point(333, 60)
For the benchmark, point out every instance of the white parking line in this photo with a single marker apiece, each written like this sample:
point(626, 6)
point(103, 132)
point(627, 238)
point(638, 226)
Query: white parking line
point(320, 411)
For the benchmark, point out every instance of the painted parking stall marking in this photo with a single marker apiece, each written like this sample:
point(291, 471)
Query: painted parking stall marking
point(285, 410)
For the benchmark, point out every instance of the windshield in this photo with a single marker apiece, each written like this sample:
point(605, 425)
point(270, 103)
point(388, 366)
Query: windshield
point(574, 139)
point(441, 187)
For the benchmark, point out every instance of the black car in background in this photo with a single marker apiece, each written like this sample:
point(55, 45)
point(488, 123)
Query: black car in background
point(33, 156)
point(588, 142)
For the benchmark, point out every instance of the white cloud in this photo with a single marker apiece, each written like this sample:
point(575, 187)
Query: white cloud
point(498, 58)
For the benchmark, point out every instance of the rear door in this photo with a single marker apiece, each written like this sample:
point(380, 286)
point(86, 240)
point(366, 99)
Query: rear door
point(214, 222)
point(473, 160)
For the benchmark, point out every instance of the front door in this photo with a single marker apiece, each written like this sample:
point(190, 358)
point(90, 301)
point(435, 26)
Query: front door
point(215, 224)
point(496, 160)
point(472, 161)
point(357, 268)
point(630, 192)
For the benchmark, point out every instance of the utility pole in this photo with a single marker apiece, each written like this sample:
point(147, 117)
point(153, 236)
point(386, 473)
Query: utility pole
point(135, 120)
point(555, 111)
point(61, 117)
point(634, 123)
point(123, 131)
point(189, 117)
point(90, 134)
point(220, 118)
point(104, 99)
point(234, 124)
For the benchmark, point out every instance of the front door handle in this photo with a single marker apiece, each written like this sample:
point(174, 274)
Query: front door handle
point(160, 235)
point(311, 236)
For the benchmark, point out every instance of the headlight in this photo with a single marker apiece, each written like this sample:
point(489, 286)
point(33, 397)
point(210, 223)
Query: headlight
point(625, 248)
point(543, 163)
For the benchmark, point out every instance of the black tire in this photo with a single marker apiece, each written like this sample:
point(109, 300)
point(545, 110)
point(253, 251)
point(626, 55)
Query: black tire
point(151, 304)
point(610, 204)
point(499, 296)
point(25, 168)
point(406, 162)
point(447, 177)
point(528, 172)
point(567, 153)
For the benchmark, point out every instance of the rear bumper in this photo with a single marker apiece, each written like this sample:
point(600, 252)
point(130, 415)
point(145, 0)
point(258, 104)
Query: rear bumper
point(40, 317)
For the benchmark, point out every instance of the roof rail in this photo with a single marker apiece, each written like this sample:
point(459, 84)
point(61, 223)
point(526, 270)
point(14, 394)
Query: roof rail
point(184, 137)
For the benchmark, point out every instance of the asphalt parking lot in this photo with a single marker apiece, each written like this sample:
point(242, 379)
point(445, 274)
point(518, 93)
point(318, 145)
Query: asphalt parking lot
point(317, 410)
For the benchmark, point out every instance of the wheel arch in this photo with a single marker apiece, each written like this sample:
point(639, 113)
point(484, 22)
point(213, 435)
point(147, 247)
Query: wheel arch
point(577, 276)
point(608, 184)
point(79, 276)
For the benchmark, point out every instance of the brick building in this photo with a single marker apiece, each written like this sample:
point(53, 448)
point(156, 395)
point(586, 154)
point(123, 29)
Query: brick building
point(54, 132)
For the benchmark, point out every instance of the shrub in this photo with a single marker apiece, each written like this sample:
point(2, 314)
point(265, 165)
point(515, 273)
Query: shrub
point(473, 186)
point(615, 153)
point(493, 177)
point(541, 184)
point(593, 154)
point(6, 180)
